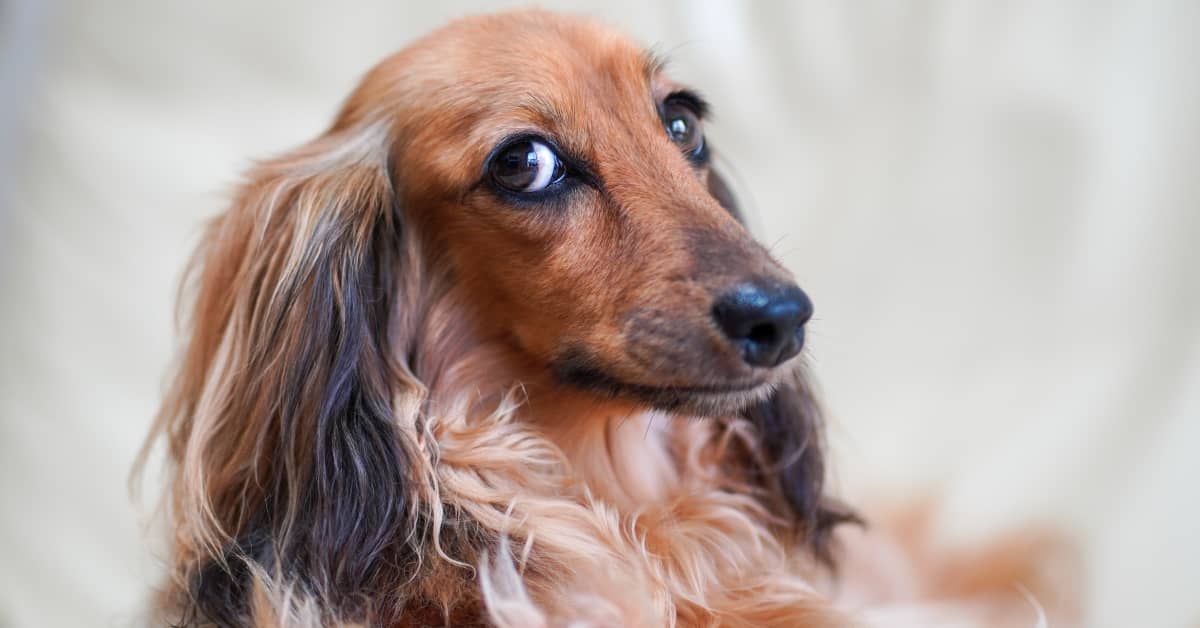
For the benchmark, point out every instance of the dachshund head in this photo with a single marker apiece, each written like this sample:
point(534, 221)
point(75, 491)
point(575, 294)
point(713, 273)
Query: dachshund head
point(568, 181)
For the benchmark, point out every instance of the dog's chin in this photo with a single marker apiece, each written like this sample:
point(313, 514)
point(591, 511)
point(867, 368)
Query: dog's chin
point(708, 404)
point(708, 399)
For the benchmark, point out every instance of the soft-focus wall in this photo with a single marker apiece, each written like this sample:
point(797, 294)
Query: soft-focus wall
point(994, 205)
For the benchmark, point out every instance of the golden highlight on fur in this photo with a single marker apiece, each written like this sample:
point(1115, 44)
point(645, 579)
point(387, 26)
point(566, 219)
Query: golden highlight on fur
point(408, 398)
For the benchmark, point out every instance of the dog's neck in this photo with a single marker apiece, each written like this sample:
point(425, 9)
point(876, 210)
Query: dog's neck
point(623, 453)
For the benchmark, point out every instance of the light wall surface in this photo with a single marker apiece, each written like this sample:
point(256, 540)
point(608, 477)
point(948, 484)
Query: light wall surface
point(995, 206)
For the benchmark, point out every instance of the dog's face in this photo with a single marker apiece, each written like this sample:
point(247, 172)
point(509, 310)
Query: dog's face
point(568, 181)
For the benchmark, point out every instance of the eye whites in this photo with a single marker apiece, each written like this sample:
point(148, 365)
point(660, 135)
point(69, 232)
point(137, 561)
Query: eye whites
point(530, 165)
point(683, 127)
point(680, 130)
point(526, 166)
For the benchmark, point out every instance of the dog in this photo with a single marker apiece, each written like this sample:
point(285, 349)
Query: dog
point(497, 349)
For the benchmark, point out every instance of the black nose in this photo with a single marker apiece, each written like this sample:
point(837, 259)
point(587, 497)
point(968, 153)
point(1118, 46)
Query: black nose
point(765, 320)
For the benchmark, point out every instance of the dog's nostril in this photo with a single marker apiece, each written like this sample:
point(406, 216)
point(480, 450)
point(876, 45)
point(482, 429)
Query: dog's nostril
point(764, 320)
point(762, 333)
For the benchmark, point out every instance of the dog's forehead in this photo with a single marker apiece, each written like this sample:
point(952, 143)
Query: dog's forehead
point(480, 79)
point(527, 59)
point(550, 59)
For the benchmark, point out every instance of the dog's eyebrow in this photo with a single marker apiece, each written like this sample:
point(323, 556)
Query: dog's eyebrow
point(691, 99)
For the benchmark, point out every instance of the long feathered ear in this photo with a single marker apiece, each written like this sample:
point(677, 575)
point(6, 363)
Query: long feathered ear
point(289, 457)
point(790, 463)
point(790, 460)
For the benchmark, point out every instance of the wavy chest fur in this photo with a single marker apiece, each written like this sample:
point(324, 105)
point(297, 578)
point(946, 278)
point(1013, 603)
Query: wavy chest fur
point(618, 519)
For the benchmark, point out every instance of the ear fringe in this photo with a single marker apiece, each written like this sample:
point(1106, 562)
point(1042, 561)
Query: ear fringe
point(278, 604)
point(281, 424)
point(787, 458)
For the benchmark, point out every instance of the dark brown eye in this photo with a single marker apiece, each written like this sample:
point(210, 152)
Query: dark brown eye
point(526, 166)
point(683, 127)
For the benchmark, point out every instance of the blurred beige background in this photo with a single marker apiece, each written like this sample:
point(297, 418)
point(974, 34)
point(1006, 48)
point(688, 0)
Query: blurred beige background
point(996, 207)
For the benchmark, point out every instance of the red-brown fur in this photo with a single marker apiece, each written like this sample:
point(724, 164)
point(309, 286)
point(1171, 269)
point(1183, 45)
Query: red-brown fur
point(388, 411)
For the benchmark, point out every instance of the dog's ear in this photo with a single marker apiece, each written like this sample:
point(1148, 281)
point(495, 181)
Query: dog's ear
point(289, 458)
point(790, 460)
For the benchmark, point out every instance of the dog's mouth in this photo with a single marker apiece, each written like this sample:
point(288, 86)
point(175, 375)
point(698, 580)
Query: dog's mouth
point(700, 399)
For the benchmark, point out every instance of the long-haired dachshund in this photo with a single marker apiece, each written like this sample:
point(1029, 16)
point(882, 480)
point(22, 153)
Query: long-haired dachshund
point(496, 349)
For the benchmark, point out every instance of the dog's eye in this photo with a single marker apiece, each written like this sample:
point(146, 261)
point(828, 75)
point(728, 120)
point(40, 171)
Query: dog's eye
point(526, 166)
point(683, 127)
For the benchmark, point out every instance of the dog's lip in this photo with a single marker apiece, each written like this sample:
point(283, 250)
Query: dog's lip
point(698, 400)
point(609, 381)
point(590, 375)
point(713, 389)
